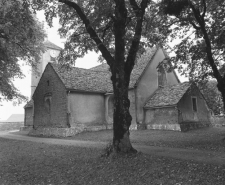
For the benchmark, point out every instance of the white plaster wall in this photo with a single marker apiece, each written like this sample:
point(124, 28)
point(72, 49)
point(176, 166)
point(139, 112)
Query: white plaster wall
point(148, 83)
point(86, 108)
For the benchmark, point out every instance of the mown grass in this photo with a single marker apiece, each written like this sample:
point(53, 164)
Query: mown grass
point(204, 139)
point(24, 162)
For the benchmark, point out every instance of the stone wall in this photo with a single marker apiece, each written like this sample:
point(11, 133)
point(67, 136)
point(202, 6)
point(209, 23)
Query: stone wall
point(162, 119)
point(65, 132)
point(7, 126)
point(186, 126)
point(50, 101)
point(28, 116)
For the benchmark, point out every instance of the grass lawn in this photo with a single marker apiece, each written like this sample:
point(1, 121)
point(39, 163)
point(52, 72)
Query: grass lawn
point(203, 139)
point(24, 162)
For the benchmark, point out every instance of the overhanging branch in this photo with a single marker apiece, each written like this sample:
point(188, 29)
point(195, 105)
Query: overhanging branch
point(194, 25)
point(136, 38)
point(204, 8)
point(135, 6)
point(201, 22)
point(93, 35)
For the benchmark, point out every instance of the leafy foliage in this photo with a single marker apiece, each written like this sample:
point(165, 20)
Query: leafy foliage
point(101, 16)
point(201, 29)
point(21, 38)
point(213, 96)
point(174, 7)
point(191, 51)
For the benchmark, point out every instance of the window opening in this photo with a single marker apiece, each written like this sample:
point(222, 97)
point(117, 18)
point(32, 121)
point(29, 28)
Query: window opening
point(161, 77)
point(194, 104)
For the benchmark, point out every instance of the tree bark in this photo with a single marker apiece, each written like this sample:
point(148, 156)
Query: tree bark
point(121, 119)
point(221, 88)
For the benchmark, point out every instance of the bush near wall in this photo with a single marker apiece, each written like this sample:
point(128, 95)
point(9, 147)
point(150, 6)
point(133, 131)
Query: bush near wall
point(7, 126)
point(218, 121)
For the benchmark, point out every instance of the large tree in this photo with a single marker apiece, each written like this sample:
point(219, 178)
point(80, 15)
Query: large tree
point(116, 28)
point(21, 38)
point(201, 27)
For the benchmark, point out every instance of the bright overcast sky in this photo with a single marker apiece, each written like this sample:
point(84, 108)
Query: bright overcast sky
point(23, 85)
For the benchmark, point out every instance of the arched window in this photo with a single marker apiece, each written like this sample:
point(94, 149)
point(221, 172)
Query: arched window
point(47, 102)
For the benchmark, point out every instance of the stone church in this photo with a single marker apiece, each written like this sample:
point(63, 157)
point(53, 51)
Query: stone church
point(68, 101)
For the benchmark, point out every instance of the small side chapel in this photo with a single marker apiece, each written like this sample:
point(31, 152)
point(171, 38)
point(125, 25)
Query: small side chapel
point(68, 101)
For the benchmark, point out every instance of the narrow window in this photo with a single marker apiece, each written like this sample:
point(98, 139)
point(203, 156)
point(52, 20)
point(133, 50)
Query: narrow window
point(194, 104)
point(47, 104)
point(161, 77)
point(48, 83)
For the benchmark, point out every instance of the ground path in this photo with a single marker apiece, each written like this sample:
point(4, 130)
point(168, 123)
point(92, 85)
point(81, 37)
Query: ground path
point(209, 157)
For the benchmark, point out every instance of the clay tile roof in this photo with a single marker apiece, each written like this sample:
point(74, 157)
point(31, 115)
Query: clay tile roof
point(138, 69)
point(168, 95)
point(49, 44)
point(29, 104)
point(84, 79)
point(97, 79)
point(101, 67)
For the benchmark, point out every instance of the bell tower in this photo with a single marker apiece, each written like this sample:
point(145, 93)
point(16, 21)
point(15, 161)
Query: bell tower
point(52, 51)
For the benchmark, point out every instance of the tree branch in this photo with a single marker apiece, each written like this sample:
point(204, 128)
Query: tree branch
point(105, 53)
point(135, 7)
point(204, 9)
point(136, 39)
point(108, 26)
point(78, 34)
point(201, 22)
point(194, 25)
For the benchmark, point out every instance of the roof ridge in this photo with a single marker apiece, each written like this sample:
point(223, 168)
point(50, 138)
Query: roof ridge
point(74, 67)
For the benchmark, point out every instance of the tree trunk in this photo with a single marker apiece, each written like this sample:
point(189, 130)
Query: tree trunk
point(121, 121)
point(221, 88)
point(120, 69)
point(120, 79)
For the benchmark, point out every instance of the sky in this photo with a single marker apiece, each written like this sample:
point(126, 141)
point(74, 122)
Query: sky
point(24, 85)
